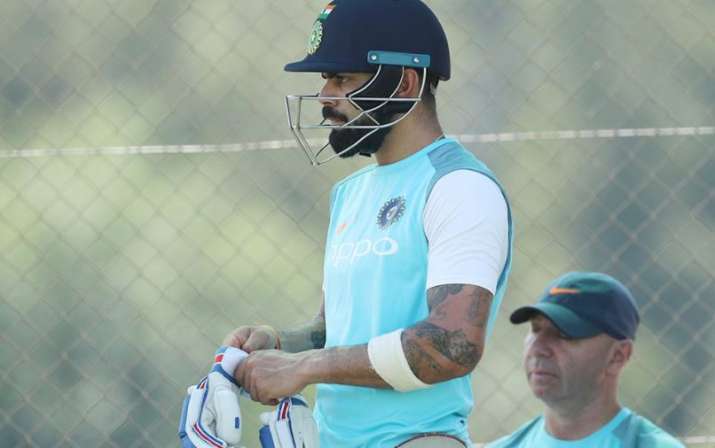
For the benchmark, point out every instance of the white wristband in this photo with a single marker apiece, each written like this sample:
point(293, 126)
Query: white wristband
point(389, 361)
point(231, 358)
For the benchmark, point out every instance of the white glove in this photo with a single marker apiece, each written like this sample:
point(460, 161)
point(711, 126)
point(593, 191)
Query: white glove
point(211, 416)
point(291, 425)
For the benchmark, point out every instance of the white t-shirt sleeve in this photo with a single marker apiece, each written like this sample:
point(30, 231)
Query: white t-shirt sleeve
point(466, 224)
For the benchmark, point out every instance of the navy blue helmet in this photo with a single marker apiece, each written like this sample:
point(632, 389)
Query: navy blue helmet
point(383, 37)
point(347, 31)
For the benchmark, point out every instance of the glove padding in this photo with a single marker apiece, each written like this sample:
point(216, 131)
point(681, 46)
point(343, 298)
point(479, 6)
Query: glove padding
point(211, 416)
point(291, 425)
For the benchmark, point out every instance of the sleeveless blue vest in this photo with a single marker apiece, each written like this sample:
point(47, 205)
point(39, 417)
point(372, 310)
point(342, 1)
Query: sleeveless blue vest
point(375, 273)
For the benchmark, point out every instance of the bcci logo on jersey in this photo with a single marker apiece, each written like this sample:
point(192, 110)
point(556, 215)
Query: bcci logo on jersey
point(391, 212)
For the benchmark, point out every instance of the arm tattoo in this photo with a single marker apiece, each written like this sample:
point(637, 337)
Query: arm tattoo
point(453, 345)
point(450, 342)
point(439, 294)
point(317, 337)
point(477, 312)
point(305, 337)
point(419, 359)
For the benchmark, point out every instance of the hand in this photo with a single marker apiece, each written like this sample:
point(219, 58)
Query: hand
point(252, 338)
point(269, 375)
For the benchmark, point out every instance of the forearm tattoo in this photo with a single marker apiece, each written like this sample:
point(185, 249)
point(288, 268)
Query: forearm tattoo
point(420, 360)
point(306, 337)
point(317, 337)
point(438, 294)
point(450, 341)
point(453, 345)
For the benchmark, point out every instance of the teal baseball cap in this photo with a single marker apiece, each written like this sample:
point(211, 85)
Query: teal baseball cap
point(585, 304)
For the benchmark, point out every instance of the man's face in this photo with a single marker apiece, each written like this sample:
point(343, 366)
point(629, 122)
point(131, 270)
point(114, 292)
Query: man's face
point(340, 112)
point(350, 141)
point(560, 369)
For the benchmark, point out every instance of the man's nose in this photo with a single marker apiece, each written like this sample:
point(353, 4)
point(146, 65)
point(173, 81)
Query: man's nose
point(539, 345)
point(325, 94)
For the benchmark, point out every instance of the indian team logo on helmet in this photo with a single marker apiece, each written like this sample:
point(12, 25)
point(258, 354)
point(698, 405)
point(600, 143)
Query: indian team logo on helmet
point(316, 34)
point(391, 212)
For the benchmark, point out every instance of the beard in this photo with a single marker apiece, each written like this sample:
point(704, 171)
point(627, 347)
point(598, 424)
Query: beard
point(383, 85)
point(343, 138)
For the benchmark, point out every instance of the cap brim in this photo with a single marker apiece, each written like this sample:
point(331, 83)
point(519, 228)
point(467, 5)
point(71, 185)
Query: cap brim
point(563, 318)
point(305, 66)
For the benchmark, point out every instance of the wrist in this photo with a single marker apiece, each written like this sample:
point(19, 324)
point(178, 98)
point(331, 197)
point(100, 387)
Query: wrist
point(308, 367)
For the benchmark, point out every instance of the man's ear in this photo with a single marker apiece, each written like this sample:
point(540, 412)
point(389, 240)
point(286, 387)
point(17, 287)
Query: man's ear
point(620, 354)
point(410, 84)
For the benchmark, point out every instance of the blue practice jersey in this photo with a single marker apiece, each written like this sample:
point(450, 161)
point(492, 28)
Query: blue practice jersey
point(625, 430)
point(374, 282)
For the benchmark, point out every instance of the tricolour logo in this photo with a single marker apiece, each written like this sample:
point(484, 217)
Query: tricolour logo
point(326, 11)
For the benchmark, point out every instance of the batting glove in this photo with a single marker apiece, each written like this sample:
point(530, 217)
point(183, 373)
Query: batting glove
point(291, 425)
point(211, 416)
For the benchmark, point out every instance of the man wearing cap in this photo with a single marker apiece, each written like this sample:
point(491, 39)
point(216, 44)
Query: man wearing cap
point(418, 247)
point(580, 339)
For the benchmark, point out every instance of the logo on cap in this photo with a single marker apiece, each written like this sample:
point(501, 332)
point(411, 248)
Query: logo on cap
point(316, 34)
point(555, 291)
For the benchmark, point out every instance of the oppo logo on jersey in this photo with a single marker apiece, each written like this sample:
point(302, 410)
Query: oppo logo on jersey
point(348, 252)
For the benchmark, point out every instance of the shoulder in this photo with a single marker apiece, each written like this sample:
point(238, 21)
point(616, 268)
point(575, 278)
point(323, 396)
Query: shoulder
point(452, 157)
point(641, 432)
point(467, 196)
point(468, 183)
point(651, 435)
point(451, 153)
point(518, 437)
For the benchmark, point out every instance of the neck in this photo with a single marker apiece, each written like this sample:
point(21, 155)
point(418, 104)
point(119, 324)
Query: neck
point(408, 136)
point(573, 422)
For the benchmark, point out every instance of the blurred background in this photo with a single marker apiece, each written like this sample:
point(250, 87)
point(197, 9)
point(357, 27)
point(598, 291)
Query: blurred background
point(152, 198)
